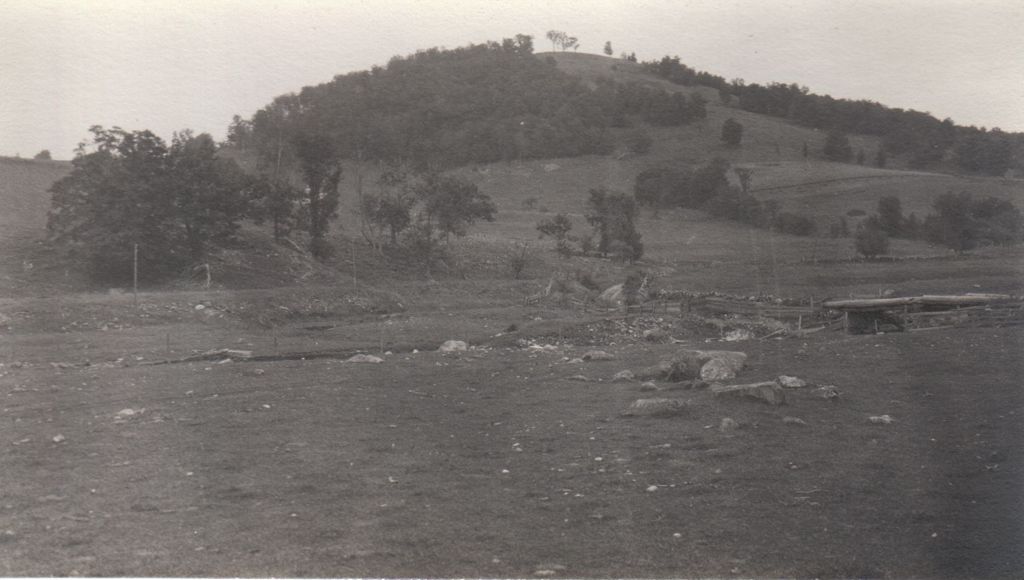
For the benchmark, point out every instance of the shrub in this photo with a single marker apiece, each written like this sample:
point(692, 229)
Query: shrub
point(871, 240)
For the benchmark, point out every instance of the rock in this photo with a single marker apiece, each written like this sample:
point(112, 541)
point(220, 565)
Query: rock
point(623, 376)
point(655, 335)
point(793, 421)
point(657, 372)
point(657, 408)
point(222, 354)
point(827, 392)
point(738, 335)
point(453, 346)
point(735, 359)
point(580, 378)
point(728, 424)
point(200, 307)
point(648, 386)
point(575, 361)
point(717, 370)
point(770, 392)
point(652, 488)
point(126, 413)
point(594, 355)
point(364, 358)
point(791, 382)
point(58, 438)
point(683, 367)
point(881, 419)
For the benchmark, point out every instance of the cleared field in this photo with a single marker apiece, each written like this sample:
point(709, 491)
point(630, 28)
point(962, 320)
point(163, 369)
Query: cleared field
point(494, 463)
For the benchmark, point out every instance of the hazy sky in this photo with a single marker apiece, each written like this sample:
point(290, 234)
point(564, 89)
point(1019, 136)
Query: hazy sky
point(169, 65)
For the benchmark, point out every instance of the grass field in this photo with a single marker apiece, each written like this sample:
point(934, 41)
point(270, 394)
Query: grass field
point(494, 463)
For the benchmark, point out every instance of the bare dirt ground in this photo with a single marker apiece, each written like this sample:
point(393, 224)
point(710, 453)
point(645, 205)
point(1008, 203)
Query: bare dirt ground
point(493, 462)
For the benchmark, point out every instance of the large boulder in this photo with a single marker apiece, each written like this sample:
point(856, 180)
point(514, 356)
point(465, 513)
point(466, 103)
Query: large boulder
point(453, 346)
point(717, 369)
point(768, 392)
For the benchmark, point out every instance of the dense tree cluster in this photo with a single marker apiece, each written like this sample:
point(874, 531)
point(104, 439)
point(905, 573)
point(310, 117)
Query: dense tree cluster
point(707, 188)
point(476, 104)
point(613, 217)
point(923, 139)
point(129, 188)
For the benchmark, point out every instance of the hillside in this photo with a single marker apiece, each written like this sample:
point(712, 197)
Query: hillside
point(679, 244)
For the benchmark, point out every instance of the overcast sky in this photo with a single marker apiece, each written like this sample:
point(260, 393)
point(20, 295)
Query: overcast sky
point(169, 65)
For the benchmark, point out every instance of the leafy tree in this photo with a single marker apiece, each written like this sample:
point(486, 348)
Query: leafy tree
point(990, 153)
point(452, 204)
point(890, 216)
point(608, 48)
point(557, 38)
point(732, 132)
point(837, 147)
point(43, 155)
point(321, 172)
point(871, 240)
point(613, 216)
point(130, 188)
point(209, 193)
point(558, 227)
point(275, 200)
point(962, 223)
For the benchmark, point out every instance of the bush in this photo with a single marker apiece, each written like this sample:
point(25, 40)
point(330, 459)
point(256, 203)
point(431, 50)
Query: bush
point(871, 240)
point(732, 132)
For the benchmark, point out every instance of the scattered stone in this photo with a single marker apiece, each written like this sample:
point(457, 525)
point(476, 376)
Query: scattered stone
point(58, 438)
point(624, 376)
point(594, 355)
point(738, 335)
point(200, 307)
point(648, 386)
point(657, 408)
point(365, 358)
point(717, 370)
point(655, 335)
point(827, 392)
point(793, 421)
point(548, 569)
point(222, 354)
point(579, 378)
point(453, 346)
point(735, 359)
point(769, 392)
point(881, 419)
point(575, 361)
point(791, 382)
point(659, 371)
point(652, 488)
point(728, 424)
point(686, 366)
point(127, 413)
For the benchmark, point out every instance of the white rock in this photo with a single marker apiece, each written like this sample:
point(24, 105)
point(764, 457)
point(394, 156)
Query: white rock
point(881, 419)
point(717, 369)
point(364, 358)
point(738, 335)
point(792, 382)
point(623, 376)
point(453, 346)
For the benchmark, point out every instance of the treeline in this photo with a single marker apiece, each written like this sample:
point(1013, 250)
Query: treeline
point(924, 140)
point(445, 108)
point(960, 222)
point(708, 188)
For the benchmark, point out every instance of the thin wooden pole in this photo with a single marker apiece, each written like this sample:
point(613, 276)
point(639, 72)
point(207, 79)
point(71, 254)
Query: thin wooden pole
point(135, 274)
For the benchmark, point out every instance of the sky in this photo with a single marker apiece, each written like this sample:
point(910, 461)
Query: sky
point(163, 65)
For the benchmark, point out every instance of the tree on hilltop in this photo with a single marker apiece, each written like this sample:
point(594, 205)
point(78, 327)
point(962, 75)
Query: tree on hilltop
point(608, 48)
point(43, 155)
